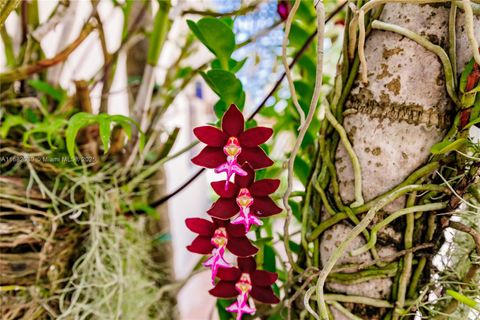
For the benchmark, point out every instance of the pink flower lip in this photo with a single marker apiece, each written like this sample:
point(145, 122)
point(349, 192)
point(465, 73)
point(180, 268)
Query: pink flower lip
point(244, 199)
point(232, 148)
point(244, 284)
point(219, 238)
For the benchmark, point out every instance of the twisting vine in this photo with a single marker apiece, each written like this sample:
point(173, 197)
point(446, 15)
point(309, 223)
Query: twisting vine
point(304, 127)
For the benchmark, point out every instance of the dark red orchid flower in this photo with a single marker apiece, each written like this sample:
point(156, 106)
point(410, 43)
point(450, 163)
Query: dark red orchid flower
point(229, 148)
point(246, 279)
point(248, 197)
point(217, 234)
point(283, 8)
point(214, 237)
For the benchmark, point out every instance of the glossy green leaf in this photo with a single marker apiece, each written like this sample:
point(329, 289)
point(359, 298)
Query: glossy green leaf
point(77, 121)
point(269, 262)
point(447, 146)
point(233, 65)
point(216, 35)
point(104, 129)
point(126, 123)
point(295, 209)
point(464, 299)
point(226, 85)
point(44, 87)
point(301, 170)
point(220, 108)
point(50, 127)
point(9, 122)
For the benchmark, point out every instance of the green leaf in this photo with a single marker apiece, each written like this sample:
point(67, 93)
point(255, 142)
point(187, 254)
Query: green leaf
point(233, 65)
point(298, 36)
point(10, 122)
point(464, 76)
point(41, 86)
point(301, 170)
point(159, 33)
point(252, 123)
point(226, 85)
point(51, 127)
point(269, 262)
point(464, 299)
point(220, 108)
point(295, 209)
point(222, 313)
point(126, 123)
point(183, 72)
point(216, 35)
point(30, 116)
point(295, 247)
point(447, 146)
point(77, 121)
point(104, 129)
point(228, 21)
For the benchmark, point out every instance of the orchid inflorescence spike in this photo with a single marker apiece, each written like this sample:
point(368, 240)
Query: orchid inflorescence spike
point(242, 203)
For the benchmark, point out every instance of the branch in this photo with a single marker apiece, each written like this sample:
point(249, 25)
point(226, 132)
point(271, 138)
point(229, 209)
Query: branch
point(7, 6)
point(471, 231)
point(211, 13)
point(25, 71)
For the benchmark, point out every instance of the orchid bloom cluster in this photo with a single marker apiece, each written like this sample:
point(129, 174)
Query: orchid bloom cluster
point(242, 203)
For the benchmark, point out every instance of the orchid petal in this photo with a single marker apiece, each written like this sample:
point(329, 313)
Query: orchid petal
point(262, 188)
point(233, 122)
point(263, 278)
point(241, 247)
point(201, 245)
point(223, 208)
point(219, 188)
point(247, 264)
point(255, 136)
point(264, 294)
point(224, 289)
point(264, 207)
point(235, 230)
point(245, 181)
point(256, 157)
point(209, 157)
point(229, 274)
point(201, 226)
point(211, 136)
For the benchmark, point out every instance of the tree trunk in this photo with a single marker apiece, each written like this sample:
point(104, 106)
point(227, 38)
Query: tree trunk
point(392, 122)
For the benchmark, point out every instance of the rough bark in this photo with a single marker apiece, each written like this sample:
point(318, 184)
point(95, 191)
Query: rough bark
point(392, 123)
